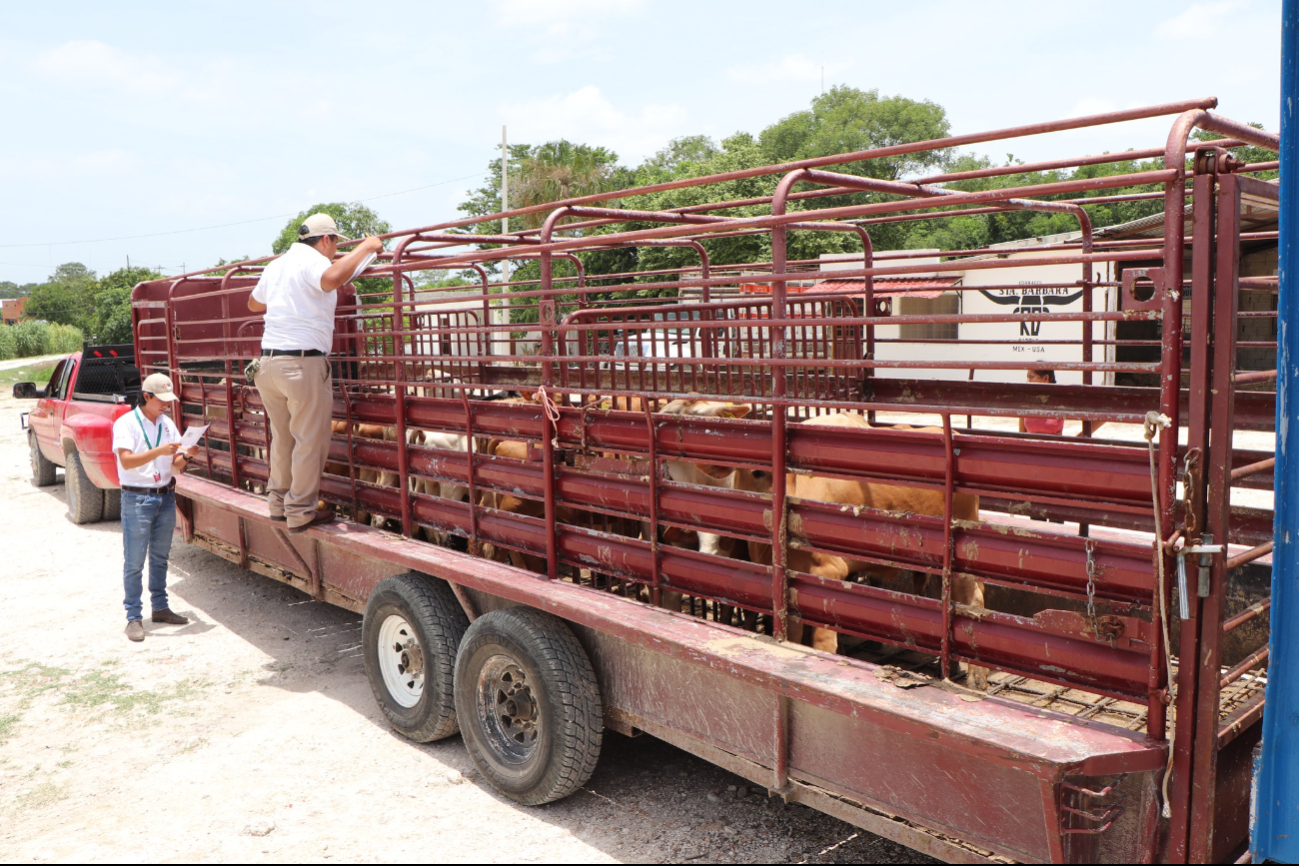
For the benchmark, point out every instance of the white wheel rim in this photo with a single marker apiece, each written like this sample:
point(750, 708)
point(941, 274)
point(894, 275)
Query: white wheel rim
point(401, 661)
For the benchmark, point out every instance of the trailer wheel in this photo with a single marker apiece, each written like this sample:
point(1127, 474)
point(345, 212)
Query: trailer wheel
point(413, 626)
point(113, 504)
point(42, 470)
point(85, 500)
point(528, 704)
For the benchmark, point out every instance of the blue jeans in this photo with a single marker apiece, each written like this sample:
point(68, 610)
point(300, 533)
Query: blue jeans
point(147, 523)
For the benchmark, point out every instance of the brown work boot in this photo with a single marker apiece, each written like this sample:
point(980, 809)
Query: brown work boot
point(165, 615)
point(319, 518)
point(135, 630)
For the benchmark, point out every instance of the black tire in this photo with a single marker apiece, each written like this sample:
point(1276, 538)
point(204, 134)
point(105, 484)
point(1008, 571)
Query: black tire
point(427, 627)
point(85, 500)
point(529, 705)
point(43, 470)
point(113, 504)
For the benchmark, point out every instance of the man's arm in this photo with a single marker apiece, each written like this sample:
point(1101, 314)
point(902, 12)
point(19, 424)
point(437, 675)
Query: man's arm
point(341, 271)
point(255, 306)
point(133, 461)
point(181, 460)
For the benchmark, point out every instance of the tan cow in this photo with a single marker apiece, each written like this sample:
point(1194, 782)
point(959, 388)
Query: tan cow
point(884, 497)
point(702, 474)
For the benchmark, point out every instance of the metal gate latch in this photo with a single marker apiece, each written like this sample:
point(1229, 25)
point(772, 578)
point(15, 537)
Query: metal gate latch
point(1205, 551)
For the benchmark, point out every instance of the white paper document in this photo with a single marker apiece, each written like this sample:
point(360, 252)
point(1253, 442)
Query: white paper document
point(191, 436)
point(365, 263)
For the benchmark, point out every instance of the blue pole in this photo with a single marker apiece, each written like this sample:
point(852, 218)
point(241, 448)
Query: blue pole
point(1276, 780)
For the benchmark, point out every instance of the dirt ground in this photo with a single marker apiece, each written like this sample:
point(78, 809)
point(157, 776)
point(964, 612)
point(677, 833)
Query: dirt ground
point(250, 735)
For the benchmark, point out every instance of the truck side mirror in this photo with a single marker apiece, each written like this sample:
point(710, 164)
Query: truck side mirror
point(28, 390)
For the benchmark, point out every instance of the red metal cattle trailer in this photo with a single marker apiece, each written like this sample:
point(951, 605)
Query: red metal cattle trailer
point(527, 428)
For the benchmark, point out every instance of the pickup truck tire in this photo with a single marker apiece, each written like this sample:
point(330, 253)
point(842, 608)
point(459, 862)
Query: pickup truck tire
point(43, 471)
point(528, 704)
point(113, 504)
point(411, 633)
point(85, 500)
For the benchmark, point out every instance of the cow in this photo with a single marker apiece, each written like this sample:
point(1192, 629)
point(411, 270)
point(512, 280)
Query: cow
point(868, 494)
point(702, 474)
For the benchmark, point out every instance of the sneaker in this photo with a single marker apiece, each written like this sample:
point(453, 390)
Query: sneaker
point(319, 518)
point(165, 615)
point(135, 630)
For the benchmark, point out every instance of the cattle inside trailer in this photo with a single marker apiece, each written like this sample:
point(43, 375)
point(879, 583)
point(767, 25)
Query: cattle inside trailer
point(633, 525)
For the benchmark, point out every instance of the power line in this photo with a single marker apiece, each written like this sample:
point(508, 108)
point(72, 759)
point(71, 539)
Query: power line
point(229, 225)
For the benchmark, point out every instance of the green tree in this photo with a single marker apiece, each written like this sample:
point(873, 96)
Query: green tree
point(845, 119)
point(354, 220)
point(13, 290)
point(66, 298)
point(113, 304)
point(559, 170)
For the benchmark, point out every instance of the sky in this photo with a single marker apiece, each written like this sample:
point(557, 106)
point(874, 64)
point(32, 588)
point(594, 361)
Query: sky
point(178, 134)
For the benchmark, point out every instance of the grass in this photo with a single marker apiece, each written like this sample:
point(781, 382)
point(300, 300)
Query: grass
point(44, 794)
point(90, 695)
point(38, 373)
point(99, 689)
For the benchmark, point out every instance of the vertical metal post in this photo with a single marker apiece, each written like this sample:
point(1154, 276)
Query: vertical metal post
point(399, 386)
point(779, 431)
point(549, 430)
point(1217, 514)
point(656, 591)
point(1275, 834)
point(502, 317)
point(949, 547)
point(1199, 418)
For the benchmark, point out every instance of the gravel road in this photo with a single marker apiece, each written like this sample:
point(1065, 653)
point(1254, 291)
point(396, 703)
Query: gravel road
point(250, 734)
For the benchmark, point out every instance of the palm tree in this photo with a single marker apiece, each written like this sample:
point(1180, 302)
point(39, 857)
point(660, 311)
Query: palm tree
point(561, 170)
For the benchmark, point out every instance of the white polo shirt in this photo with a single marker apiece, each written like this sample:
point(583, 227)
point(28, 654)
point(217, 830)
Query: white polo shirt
point(136, 433)
point(299, 314)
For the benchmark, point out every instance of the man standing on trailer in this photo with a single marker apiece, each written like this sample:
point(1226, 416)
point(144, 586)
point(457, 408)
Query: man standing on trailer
point(297, 294)
point(147, 445)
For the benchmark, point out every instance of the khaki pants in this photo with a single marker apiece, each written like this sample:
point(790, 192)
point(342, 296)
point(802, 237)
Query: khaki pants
point(298, 395)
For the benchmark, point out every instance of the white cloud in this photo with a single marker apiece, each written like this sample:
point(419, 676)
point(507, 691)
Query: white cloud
point(533, 13)
point(1201, 21)
point(88, 62)
point(563, 29)
point(587, 116)
point(791, 67)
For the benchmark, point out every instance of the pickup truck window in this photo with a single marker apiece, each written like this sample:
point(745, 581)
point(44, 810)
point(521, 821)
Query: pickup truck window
point(56, 387)
point(104, 377)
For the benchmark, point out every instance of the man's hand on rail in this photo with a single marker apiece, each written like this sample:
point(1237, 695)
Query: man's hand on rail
point(341, 271)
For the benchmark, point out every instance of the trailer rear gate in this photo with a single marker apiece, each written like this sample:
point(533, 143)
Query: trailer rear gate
point(1063, 757)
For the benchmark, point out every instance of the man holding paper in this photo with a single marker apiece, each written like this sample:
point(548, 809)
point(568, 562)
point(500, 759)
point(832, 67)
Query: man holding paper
point(149, 453)
point(297, 294)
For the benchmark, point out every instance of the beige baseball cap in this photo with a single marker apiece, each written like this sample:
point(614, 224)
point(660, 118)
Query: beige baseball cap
point(318, 225)
point(159, 385)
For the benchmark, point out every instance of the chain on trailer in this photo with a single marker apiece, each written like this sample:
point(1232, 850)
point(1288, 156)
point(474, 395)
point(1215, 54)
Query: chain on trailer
point(769, 445)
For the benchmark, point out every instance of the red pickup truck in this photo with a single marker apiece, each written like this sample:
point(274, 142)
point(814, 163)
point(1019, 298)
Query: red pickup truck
point(72, 426)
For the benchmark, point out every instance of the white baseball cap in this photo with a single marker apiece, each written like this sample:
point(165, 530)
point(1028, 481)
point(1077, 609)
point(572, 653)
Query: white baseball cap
point(318, 225)
point(159, 385)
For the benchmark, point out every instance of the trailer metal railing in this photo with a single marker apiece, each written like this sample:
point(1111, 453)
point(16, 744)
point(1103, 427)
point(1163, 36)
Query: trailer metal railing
point(1103, 562)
